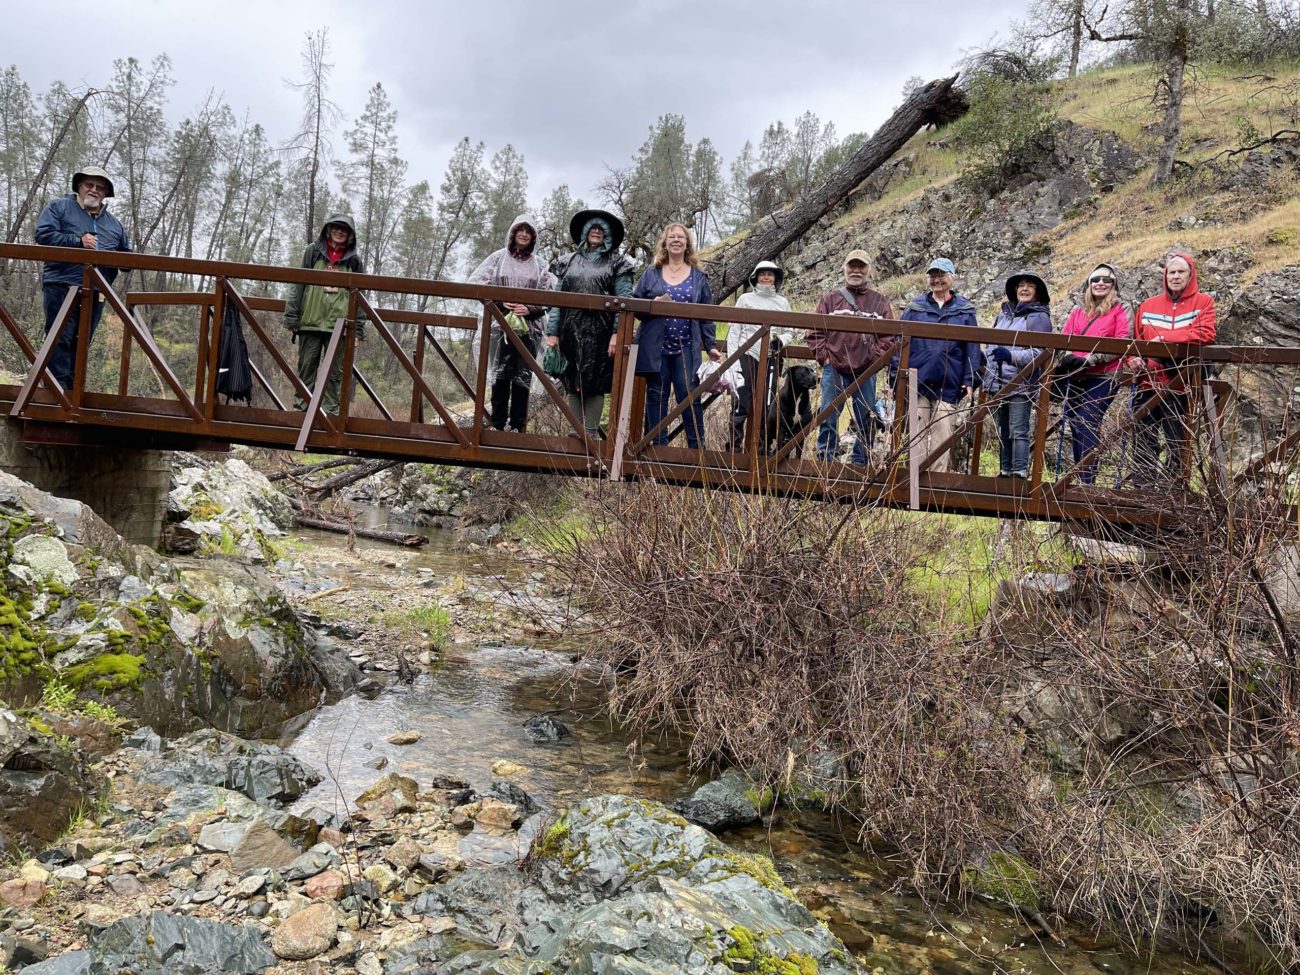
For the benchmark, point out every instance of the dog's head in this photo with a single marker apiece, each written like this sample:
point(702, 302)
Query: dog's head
point(802, 377)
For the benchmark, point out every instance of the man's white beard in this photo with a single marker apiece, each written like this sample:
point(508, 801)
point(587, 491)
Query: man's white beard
point(85, 203)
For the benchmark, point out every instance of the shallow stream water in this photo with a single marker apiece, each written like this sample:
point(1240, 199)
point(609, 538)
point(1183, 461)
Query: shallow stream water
point(470, 712)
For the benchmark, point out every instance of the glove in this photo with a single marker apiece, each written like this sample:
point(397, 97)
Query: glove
point(1000, 354)
point(775, 344)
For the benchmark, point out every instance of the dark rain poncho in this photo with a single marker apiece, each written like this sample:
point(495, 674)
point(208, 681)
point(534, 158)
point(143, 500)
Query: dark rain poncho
point(584, 334)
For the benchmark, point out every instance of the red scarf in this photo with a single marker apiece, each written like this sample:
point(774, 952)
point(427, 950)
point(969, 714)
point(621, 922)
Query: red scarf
point(334, 254)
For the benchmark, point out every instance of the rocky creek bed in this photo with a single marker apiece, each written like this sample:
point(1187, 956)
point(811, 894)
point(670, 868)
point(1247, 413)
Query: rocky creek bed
point(305, 810)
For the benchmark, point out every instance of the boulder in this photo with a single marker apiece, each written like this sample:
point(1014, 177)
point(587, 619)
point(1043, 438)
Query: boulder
point(263, 772)
point(725, 803)
point(230, 505)
point(41, 784)
point(306, 934)
point(159, 943)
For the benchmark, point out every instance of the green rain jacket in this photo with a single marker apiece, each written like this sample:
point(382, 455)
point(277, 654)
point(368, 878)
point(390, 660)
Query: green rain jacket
point(314, 308)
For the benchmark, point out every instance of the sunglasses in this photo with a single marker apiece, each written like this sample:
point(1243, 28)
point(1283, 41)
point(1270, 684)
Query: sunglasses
point(1101, 279)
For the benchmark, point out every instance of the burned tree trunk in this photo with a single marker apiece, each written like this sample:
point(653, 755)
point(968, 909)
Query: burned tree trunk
point(936, 104)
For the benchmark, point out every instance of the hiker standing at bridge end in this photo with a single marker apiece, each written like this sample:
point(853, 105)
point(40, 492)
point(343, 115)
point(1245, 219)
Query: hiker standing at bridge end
point(844, 356)
point(79, 219)
point(313, 310)
point(1181, 312)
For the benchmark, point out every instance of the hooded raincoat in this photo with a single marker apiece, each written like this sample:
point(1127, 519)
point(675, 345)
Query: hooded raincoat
point(516, 267)
point(584, 334)
point(1163, 318)
point(314, 308)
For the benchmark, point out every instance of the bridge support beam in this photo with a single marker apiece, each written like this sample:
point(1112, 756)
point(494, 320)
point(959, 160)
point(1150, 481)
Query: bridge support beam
point(125, 486)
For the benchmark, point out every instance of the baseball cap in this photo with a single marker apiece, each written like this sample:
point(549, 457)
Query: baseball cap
point(942, 264)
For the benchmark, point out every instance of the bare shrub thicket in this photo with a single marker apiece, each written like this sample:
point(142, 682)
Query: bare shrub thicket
point(1128, 735)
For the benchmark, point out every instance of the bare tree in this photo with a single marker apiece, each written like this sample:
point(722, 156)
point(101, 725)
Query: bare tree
point(319, 117)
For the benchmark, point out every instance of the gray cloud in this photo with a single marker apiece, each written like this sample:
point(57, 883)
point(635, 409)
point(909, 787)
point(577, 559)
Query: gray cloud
point(574, 86)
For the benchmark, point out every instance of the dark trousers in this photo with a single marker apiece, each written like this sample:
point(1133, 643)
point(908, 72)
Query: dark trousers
point(64, 358)
point(744, 405)
point(1162, 431)
point(1085, 407)
point(672, 378)
point(1013, 435)
point(511, 386)
point(311, 348)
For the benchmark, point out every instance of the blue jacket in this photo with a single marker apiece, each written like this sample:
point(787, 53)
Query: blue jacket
point(650, 335)
point(1027, 316)
point(942, 367)
point(62, 224)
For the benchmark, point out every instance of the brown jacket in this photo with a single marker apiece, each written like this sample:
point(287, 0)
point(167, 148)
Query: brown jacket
point(850, 352)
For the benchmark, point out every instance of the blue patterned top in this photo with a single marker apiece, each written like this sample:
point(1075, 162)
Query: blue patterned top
point(677, 331)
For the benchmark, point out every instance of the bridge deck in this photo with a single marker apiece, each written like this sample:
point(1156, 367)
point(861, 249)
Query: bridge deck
point(156, 403)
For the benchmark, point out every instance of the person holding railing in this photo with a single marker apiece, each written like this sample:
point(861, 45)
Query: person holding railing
point(1090, 386)
point(844, 356)
point(313, 310)
point(1181, 312)
point(587, 337)
point(516, 265)
point(946, 369)
point(79, 219)
point(670, 348)
point(1027, 309)
point(764, 295)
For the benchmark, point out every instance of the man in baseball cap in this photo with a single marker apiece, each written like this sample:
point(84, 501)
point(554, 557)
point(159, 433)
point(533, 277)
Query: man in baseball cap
point(79, 219)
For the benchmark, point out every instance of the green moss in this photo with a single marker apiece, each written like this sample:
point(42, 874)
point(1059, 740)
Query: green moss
point(760, 868)
point(85, 612)
point(554, 844)
point(203, 508)
point(761, 799)
point(1006, 877)
point(187, 601)
point(748, 953)
point(107, 672)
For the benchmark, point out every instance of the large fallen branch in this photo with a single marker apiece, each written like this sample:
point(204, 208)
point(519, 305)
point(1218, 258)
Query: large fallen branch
point(358, 473)
point(936, 104)
point(298, 470)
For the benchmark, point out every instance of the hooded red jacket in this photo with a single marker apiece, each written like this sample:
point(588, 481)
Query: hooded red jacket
point(1162, 318)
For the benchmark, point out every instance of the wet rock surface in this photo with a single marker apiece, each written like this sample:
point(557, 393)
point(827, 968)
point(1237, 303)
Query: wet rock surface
point(726, 803)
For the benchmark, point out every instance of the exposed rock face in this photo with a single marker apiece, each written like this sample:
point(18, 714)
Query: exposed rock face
point(260, 771)
point(625, 885)
point(41, 785)
point(165, 944)
point(229, 506)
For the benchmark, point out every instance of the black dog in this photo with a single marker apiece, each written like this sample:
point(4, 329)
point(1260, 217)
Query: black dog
point(792, 409)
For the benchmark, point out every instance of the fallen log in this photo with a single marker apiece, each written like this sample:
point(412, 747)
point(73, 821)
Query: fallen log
point(938, 103)
point(299, 470)
point(358, 473)
point(344, 528)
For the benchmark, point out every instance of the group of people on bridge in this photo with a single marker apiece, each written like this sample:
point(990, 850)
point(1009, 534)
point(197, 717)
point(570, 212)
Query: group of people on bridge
point(580, 345)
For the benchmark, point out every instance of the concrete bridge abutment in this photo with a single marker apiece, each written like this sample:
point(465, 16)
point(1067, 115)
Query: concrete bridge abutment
point(126, 486)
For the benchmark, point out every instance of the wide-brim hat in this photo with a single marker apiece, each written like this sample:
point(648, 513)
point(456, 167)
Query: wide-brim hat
point(1040, 285)
point(95, 171)
point(582, 217)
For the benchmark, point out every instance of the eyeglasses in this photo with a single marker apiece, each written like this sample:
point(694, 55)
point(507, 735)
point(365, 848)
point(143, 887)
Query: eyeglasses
point(90, 184)
point(1101, 279)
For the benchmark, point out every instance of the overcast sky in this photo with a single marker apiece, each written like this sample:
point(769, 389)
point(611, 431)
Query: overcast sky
point(573, 85)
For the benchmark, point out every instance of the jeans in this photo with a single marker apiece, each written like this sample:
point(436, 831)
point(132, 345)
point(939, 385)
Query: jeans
point(64, 357)
point(672, 375)
point(1167, 422)
point(1085, 407)
point(835, 382)
point(1013, 435)
point(311, 348)
point(511, 386)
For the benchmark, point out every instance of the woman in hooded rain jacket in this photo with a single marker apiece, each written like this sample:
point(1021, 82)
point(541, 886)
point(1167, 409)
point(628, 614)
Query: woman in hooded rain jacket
point(516, 265)
point(587, 337)
point(313, 309)
point(1091, 387)
point(669, 348)
point(1027, 309)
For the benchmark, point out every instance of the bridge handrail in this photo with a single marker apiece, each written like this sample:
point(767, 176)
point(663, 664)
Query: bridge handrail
point(1227, 354)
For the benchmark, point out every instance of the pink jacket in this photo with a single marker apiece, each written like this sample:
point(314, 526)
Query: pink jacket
point(1113, 324)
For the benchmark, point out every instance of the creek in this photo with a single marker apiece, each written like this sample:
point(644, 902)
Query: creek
point(470, 709)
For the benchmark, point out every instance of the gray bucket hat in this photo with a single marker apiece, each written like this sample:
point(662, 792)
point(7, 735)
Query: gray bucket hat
point(85, 171)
